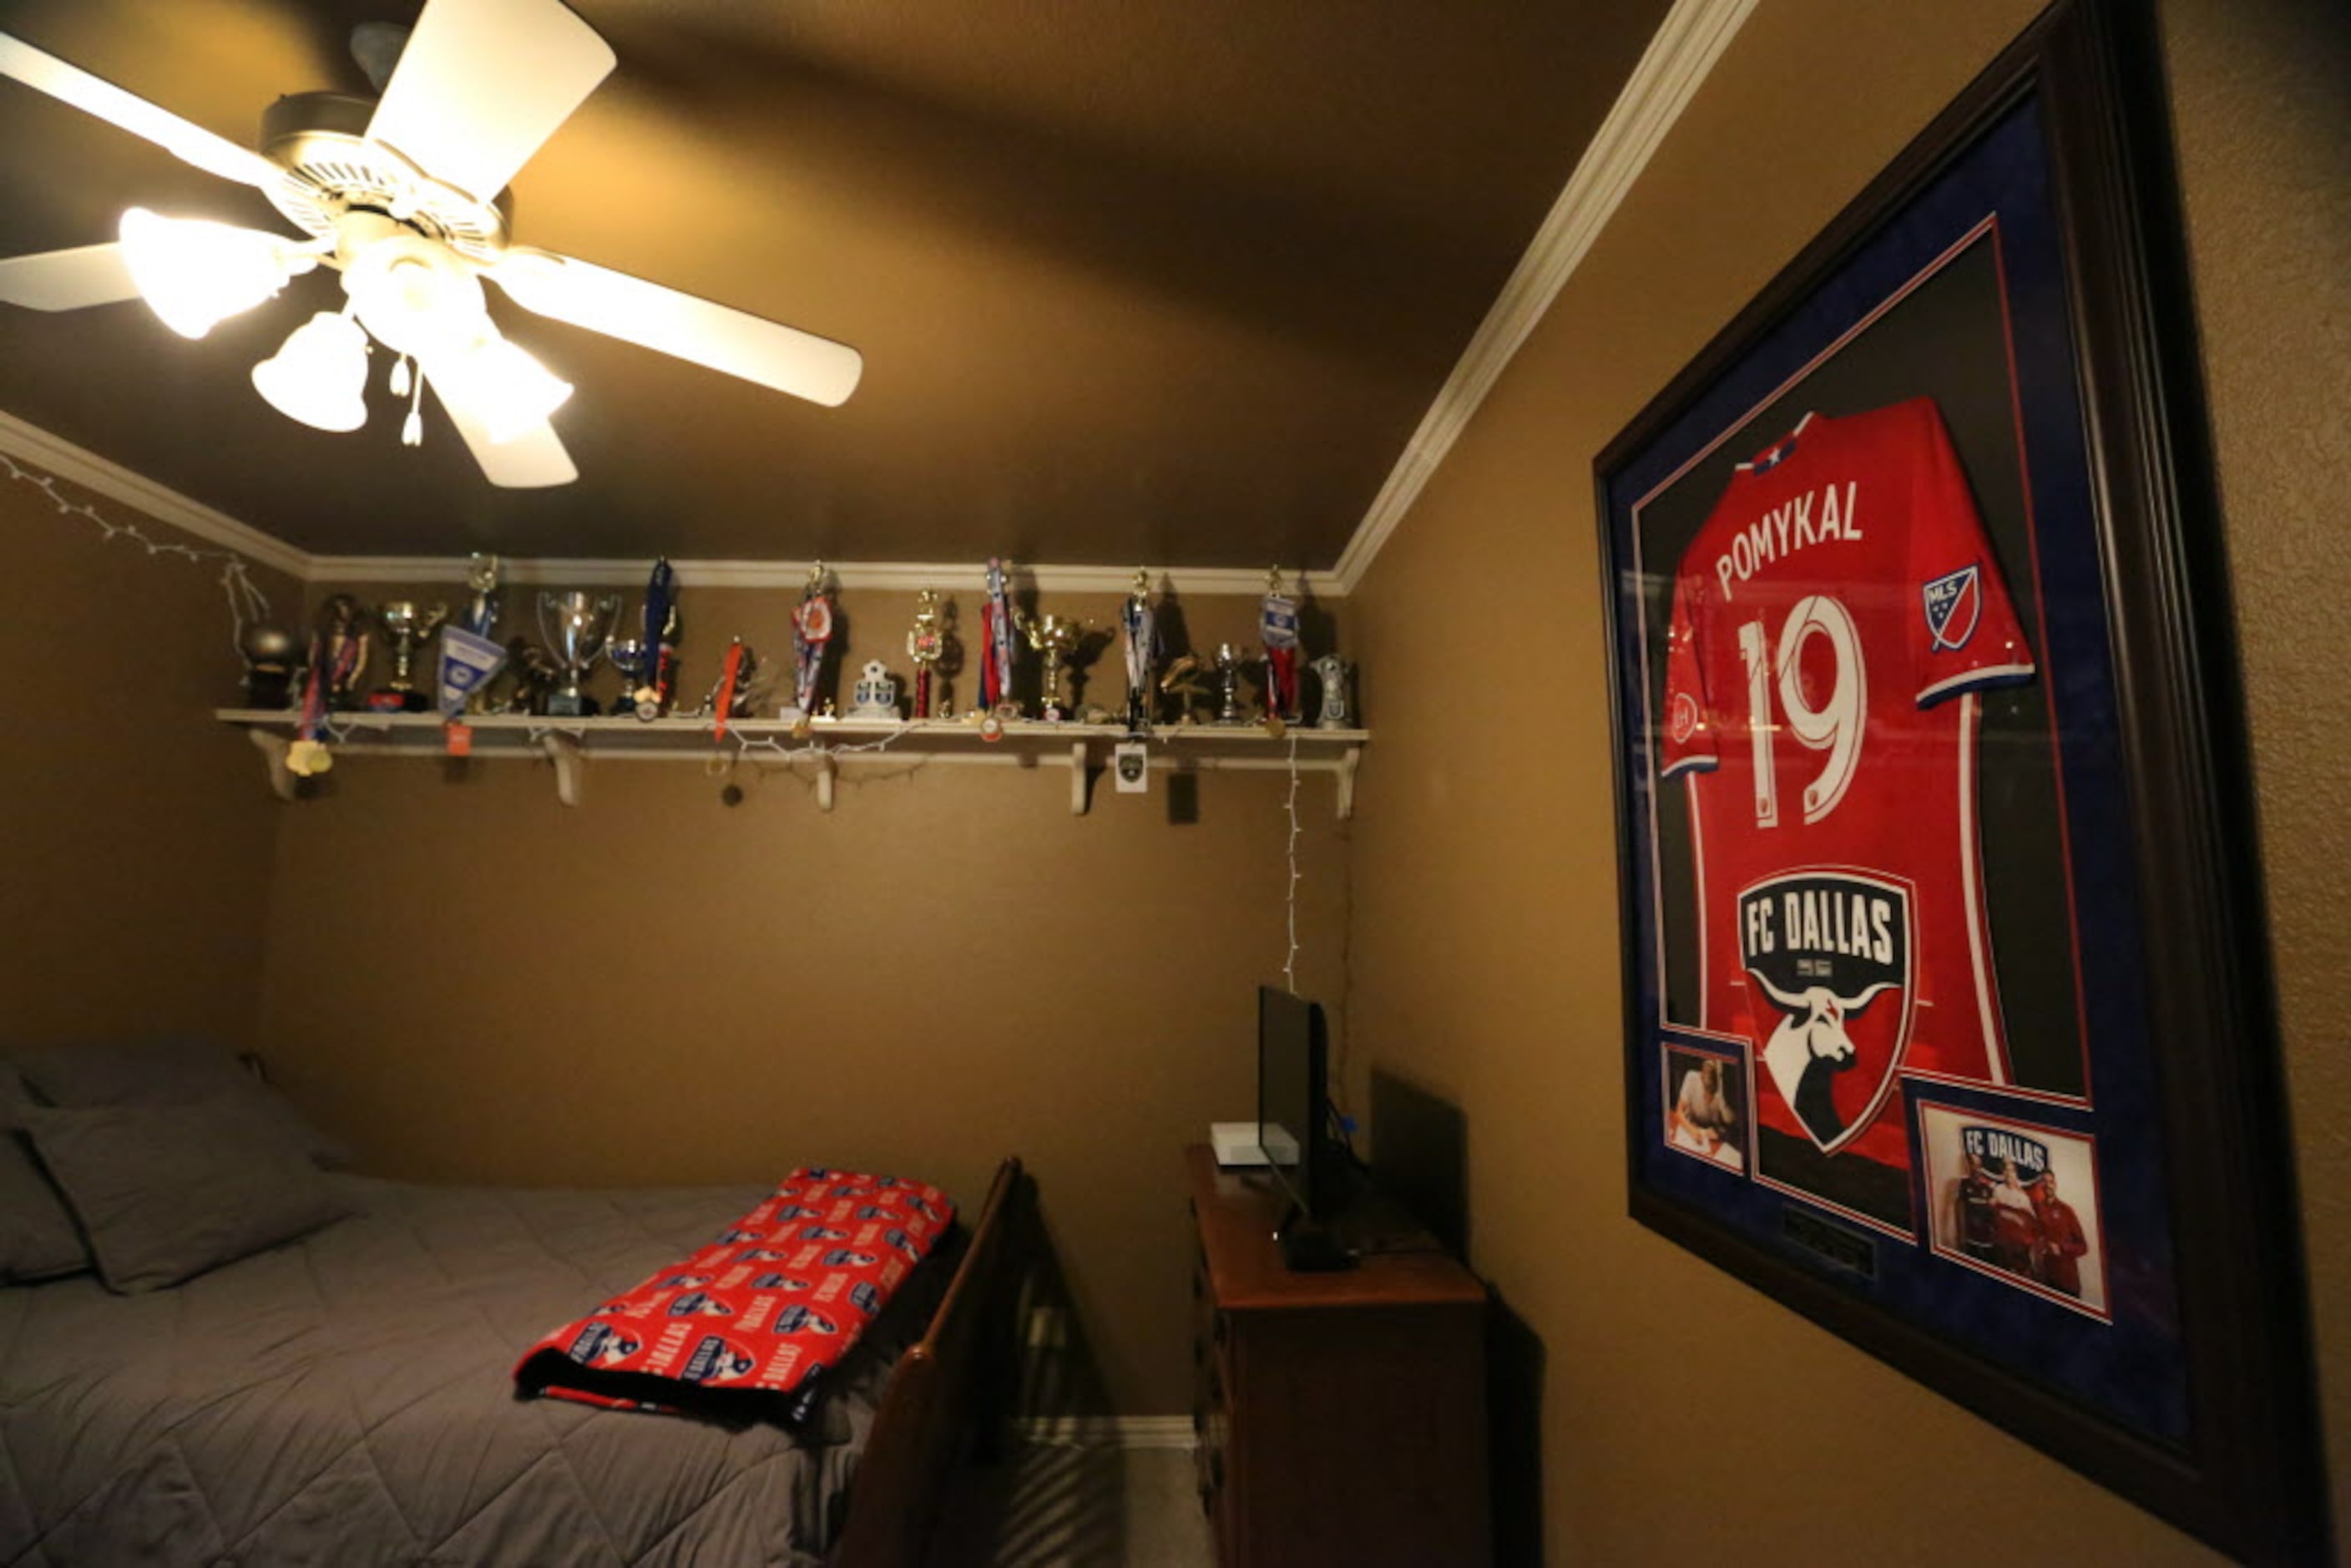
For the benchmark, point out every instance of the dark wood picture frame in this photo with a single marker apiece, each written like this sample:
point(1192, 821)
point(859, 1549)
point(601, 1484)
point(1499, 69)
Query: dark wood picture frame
point(2177, 1371)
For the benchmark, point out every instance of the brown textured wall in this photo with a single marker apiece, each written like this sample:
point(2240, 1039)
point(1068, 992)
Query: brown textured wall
point(2262, 107)
point(1684, 1416)
point(471, 981)
point(135, 842)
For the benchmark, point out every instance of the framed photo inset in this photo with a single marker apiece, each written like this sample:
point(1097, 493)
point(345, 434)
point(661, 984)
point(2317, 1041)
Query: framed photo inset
point(1930, 799)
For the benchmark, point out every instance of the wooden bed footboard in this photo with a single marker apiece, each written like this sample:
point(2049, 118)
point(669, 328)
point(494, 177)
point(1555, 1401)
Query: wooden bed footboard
point(947, 1390)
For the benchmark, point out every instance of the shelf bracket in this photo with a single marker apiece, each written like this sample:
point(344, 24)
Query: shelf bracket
point(565, 751)
point(827, 771)
point(1343, 775)
point(273, 746)
point(1077, 778)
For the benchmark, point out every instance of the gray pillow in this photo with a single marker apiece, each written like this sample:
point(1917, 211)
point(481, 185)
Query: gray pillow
point(165, 1192)
point(37, 1239)
point(166, 1070)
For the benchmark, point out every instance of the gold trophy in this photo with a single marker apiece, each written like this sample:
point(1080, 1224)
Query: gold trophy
point(1187, 683)
point(1056, 639)
point(926, 644)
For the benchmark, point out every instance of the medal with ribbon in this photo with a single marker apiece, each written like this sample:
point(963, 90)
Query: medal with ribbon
point(996, 657)
point(1278, 630)
point(728, 679)
point(811, 629)
point(661, 642)
point(1137, 621)
point(338, 654)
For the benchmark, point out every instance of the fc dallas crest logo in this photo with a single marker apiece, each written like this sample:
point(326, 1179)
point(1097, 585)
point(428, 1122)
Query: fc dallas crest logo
point(1831, 951)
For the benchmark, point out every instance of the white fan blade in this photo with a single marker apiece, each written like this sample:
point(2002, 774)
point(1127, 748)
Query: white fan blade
point(483, 84)
point(718, 336)
point(67, 280)
point(531, 460)
point(182, 138)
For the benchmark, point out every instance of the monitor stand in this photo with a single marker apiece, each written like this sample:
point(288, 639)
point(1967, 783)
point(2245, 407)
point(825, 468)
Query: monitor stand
point(1308, 1248)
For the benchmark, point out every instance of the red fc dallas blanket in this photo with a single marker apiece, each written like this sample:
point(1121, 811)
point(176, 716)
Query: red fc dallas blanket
point(747, 1325)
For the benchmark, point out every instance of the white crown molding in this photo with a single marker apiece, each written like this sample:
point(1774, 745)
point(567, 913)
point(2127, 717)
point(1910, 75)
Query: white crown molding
point(55, 454)
point(1108, 1431)
point(1691, 39)
point(905, 577)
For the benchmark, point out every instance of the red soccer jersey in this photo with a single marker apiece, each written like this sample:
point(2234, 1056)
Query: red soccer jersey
point(1838, 598)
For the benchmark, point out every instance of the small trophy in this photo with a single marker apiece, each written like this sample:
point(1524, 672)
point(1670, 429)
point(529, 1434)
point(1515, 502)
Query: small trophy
point(481, 617)
point(1228, 685)
point(926, 644)
point(628, 656)
point(339, 649)
point(876, 694)
point(531, 679)
point(1138, 639)
point(1185, 683)
point(1330, 676)
point(998, 627)
point(271, 657)
point(406, 624)
point(1278, 631)
point(1056, 639)
point(812, 632)
point(339, 652)
point(575, 625)
point(738, 690)
point(651, 692)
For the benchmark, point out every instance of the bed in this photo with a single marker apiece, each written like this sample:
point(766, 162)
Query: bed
point(346, 1397)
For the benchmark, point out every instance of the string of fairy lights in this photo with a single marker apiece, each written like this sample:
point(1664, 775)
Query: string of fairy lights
point(246, 603)
point(1289, 889)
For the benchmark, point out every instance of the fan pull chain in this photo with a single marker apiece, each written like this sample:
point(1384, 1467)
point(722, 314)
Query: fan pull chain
point(399, 376)
point(411, 429)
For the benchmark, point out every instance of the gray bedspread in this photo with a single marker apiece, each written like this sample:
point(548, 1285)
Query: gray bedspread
point(346, 1400)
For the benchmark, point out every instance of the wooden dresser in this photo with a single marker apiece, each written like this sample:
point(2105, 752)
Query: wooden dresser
point(1342, 1417)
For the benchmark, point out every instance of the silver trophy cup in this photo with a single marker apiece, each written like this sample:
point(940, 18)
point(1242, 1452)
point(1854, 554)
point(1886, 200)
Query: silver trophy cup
point(406, 624)
point(575, 625)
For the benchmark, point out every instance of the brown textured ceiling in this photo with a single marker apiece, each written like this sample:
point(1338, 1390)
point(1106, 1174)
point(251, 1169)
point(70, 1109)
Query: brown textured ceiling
point(1166, 280)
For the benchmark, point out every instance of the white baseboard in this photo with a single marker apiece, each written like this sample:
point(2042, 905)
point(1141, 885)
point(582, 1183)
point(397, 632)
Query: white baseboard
point(1106, 1431)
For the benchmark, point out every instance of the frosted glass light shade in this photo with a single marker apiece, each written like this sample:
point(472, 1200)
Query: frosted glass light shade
point(320, 377)
point(503, 386)
point(194, 273)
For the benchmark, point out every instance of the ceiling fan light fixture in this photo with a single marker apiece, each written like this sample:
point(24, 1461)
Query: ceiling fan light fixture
point(508, 389)
point(414, 296)
point(320, 377)
point(194, 273)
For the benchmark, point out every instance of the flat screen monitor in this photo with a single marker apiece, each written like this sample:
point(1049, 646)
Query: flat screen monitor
point(1294, 1097)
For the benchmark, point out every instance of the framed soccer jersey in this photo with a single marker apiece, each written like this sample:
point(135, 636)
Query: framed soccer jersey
point(1945, 1011)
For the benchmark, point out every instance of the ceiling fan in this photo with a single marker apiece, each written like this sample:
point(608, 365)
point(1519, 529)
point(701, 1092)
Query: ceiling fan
point(401, 196)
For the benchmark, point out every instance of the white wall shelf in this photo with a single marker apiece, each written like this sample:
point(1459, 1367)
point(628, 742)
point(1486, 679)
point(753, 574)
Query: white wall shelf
point(829, 746)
